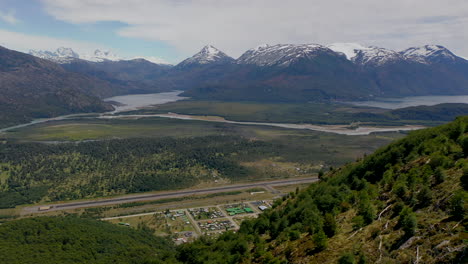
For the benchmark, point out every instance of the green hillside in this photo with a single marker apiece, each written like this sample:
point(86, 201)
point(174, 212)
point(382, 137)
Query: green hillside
point(404, 202)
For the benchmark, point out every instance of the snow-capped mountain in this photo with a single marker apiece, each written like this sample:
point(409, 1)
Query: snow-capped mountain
point(208, 55)
point(280, 54)
point(66, 55)
point(378, 56)
point(61, 55)
point(364, 55)
point(100, 56)
point(429, 53)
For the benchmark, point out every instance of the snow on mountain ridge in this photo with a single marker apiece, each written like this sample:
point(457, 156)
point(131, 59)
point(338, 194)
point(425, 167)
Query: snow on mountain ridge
point(350, 50)
point(280, 54)
point(64, 55)
point(377, 56)
point(100, 56)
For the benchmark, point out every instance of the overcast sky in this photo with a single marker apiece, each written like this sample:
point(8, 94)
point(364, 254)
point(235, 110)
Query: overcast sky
point(171, 30)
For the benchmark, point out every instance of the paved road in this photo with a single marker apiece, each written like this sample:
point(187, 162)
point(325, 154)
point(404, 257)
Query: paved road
point(163, 195)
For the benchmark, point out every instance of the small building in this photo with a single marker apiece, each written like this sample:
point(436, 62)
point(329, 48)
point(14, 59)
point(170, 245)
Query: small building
point(248, 210)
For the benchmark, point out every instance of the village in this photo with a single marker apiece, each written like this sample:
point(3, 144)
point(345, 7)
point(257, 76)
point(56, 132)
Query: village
point(186, 224)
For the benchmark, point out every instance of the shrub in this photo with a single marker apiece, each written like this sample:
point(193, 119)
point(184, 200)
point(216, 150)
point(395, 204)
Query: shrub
point(424, 197)
point(358, 222)
point(347, 258)
point(320, 240)
point(329, 225)
point(457, 205)
point(408, 221)
point(439, 175)
point(464, 178)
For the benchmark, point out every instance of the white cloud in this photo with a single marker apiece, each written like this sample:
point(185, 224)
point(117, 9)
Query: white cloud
point(235, 26)
point(9, 17)
point(24, 42)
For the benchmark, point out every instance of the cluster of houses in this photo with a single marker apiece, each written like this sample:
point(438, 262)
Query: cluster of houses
point(205, 213)
point(216, 225)
point(178, 213)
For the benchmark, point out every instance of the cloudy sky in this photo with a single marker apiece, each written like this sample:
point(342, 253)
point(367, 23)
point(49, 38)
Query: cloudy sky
point(170, 30)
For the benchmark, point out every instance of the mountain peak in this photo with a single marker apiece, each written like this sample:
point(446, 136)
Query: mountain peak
point(67, 52)
point(208, 55)
point(209, 49)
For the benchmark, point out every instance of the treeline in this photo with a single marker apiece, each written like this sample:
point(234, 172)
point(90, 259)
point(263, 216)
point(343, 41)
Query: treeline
point(403, 182)
point(32, 172)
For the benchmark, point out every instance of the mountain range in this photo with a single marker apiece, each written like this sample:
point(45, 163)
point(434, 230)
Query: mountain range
point(284, 72)
point(46, 83)
point(314, 72)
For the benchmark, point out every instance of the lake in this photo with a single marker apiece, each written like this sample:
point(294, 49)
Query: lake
point(396, 103)
point(135, 101)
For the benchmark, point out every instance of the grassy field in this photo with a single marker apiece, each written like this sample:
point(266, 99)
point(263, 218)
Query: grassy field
point(303, 149)
point(315, 113)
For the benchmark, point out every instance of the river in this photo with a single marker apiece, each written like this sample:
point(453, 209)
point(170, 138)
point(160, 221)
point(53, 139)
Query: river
point(336, 129)
point(136, 101)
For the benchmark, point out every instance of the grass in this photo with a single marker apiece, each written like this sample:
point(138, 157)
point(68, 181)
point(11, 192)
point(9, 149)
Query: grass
point(161, 224)
point(302, 148)
point(315, 113)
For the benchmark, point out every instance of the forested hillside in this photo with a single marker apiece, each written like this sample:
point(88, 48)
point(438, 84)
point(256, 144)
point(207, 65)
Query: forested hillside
point(35, 88)
point(406, 203)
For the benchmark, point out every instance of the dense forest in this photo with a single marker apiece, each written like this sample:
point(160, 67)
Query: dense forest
point(32, 172)
point(405, 203)
point(73, 240)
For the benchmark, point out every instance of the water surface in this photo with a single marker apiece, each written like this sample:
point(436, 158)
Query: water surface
point(136, 101)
